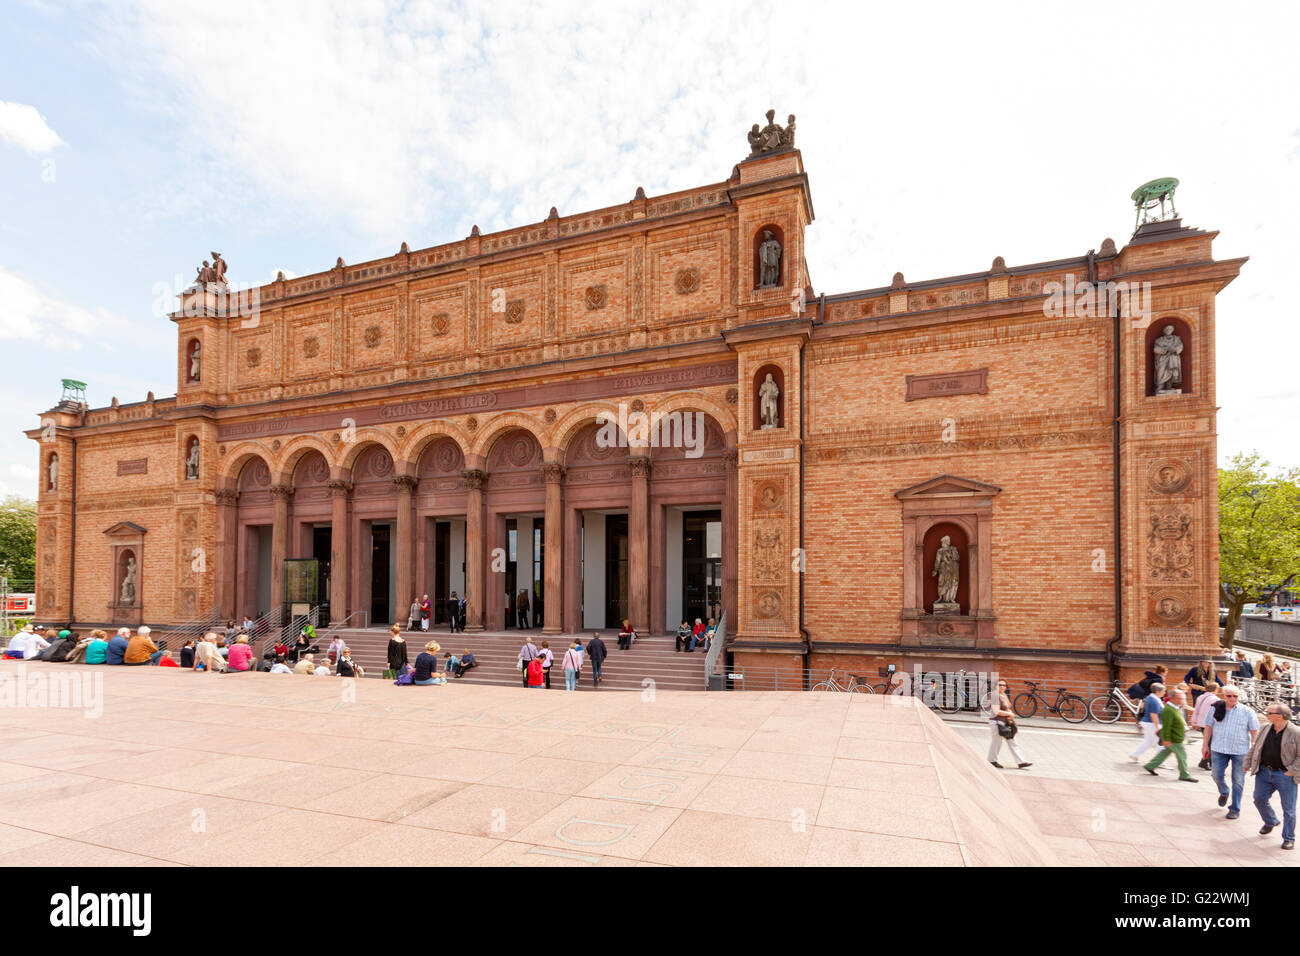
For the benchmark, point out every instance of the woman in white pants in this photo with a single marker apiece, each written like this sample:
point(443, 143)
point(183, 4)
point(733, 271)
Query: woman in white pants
point(1002, 712)
point(1149, 721)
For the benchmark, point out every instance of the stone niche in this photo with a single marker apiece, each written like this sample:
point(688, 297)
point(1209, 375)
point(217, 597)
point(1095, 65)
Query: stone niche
point(962, 510)
point(126, 543)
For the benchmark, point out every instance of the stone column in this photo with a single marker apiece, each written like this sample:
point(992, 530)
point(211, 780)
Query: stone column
point(730, 551)
point(405, 571)
point(553, 533)
point(571, 579)
point(281, 495)
point(340, 580)
point(227, 557)
point(474, 481)
point(638, 546)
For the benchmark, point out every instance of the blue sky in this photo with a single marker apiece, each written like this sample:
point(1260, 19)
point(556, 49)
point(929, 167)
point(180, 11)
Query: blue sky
point(135, 137)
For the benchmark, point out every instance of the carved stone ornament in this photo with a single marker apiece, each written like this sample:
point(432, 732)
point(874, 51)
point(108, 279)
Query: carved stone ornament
point(311, 346)
point(1169, 552)
point(1169, 476)
point(475, 479)
point(687, 281)
point(1169, 362)
point(373, 335)
point(733, 396)
point(515, 310)
point(595, 297)
point(471, 424)
point(549, 416)
point(640, 467)
point(441, 324)
point(253, 357)
point(1170, 610)
point(769, 605)
point(553, 473)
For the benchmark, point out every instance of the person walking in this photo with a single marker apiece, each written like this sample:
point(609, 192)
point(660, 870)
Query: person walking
point(521, 608)
point(1004, 716)
point(412, 615)
point(1228, 738)
point(1201, 713)
point(572, 667)
point(1149, 721)
point(547, 660)
point(397, 655)
point(536, 673)
point(1198, 677)
point(597, 652)
point(526, 654)
point(1274, 760)
point(1173, 729)
point(460, 618)
point(453, 611)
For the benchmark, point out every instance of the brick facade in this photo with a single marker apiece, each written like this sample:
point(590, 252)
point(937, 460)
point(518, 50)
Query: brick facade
point(462, 382)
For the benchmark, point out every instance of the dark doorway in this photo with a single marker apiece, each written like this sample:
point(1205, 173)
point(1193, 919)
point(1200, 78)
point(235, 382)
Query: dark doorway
point(380, 611)
point(538, 556)
point(615, 570)
point(512, 572)
point(701, 565)
point(321, 542)
point(441, 572)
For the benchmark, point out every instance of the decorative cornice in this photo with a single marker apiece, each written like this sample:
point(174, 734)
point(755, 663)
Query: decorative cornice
point(339, 488)
point(225, 497)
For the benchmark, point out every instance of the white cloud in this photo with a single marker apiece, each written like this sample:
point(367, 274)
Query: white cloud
point(24, 126)
point(29, 314)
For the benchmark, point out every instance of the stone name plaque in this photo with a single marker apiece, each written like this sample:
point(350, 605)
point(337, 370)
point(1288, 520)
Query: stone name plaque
point(133, 466)
point(974, 382)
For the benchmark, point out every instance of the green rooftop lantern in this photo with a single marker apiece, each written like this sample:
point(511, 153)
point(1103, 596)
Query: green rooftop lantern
point(1149, 195)
point(73, 391)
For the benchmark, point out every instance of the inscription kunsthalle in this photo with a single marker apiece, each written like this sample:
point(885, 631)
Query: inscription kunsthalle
point(974, 382)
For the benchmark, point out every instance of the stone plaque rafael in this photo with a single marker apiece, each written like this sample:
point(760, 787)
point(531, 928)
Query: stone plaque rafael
point(133, 466)
point(974, 382)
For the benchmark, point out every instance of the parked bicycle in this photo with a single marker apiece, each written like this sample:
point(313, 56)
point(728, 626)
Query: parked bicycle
point(1071, 707)
point(954, 694)
point(1111, 706)
point(857, 685)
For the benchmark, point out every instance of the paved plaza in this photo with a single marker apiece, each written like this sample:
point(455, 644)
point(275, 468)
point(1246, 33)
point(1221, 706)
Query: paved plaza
point(170, 767)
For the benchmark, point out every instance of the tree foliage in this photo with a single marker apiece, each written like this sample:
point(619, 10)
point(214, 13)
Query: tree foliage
point(18, 541)
point(1259, 534)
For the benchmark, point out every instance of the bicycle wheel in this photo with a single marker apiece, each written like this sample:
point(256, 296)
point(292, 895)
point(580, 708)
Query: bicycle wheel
point(824, 685)
point(861, 689)
point(1073, 710)
point(1105, 709)
point(1025, 705)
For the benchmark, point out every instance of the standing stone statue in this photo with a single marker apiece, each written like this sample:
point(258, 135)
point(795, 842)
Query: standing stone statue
point(768, 393)
point(128, 583)
point(1169, 363)
point(192, 462)
point(947, 563)
point(54, 473)
point(196, 362)
point(769, 261)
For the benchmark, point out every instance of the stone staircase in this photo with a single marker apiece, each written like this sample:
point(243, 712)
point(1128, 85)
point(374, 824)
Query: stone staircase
point(496, 653)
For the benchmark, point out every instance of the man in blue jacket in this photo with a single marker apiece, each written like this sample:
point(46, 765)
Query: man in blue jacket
point(1245, 669)
point(117, 645)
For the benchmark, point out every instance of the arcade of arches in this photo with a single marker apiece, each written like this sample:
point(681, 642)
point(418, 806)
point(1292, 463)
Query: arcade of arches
point(591, 535)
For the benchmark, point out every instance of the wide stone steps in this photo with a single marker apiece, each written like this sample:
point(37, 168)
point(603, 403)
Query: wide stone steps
point(650, 658)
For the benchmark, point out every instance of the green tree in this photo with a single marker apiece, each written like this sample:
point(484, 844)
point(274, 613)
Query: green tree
point(18, 541)
point(1259, 534)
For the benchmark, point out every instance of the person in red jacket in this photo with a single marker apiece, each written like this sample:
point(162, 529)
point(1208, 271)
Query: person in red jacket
point(535, 675)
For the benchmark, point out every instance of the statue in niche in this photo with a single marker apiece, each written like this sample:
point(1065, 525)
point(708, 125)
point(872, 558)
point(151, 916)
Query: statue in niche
point(196, 362)
point(128, 582)
point(192, 462)
point(769, 261)
point(947, 566)
point(54, 473)
point(768, 393)
point(1169, 363)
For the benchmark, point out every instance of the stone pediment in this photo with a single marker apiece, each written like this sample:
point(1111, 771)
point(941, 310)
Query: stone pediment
point(948, 486)
point(124, 529)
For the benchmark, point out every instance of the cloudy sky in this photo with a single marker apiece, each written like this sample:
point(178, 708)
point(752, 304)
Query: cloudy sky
point(135, 137)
